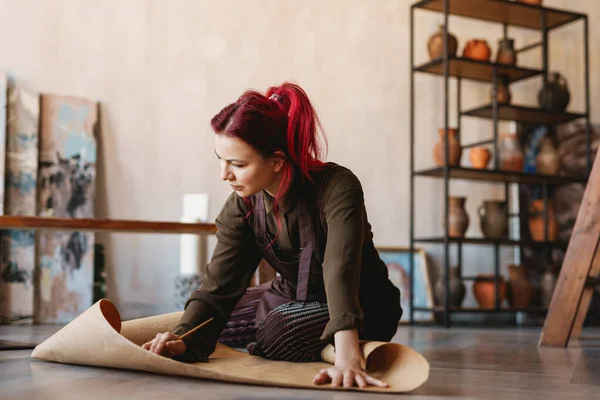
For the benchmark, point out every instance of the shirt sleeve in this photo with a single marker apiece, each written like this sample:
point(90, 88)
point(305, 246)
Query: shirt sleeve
point(223, 281)
point(343, 206)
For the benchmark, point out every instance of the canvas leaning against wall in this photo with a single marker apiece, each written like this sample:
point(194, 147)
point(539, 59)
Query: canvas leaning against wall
point(66, 188)
point(397, 259)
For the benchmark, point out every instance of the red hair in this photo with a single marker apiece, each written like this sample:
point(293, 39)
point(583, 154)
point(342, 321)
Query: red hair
point(283, 119)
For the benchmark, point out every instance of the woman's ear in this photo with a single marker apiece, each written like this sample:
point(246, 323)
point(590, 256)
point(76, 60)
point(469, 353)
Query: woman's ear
point(278, 160)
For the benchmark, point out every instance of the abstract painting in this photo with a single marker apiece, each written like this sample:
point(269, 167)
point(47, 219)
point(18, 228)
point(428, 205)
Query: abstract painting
point(66, 188)
point(18, 247)
point(397, 259)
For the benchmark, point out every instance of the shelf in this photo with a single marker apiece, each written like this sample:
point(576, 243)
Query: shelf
point(108, 225)
point(505, 12)
point(483, 310)
point(467, 68)
point(499, 176)
point(484, 241)
point(509, 112)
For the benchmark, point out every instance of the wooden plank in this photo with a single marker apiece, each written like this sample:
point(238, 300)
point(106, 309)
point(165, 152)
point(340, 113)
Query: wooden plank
point(106, 225)
point(586, 299)
point(576, 266)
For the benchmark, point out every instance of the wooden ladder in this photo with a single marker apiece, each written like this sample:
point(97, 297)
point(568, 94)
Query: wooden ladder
point(580, 270)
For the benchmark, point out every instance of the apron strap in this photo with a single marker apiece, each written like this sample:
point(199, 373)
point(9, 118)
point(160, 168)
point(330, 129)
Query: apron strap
point(260, 218)
point(306, 249)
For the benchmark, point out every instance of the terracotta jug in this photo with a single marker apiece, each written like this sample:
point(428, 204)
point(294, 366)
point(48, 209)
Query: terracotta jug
point(493, 219)
point(511, 154)
point(502, 92)
point(435, 44)
point(484, 290)
point(455, 151)
point(458, 219)
point(519, 290)
point(555, 95)
point(536, 221)
point(457, 289)
point(506, 52)
point(477, 49)
point(479, 157)
point(548, 159)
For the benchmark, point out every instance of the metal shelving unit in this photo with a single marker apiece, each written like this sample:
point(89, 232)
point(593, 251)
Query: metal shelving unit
point(508, 13)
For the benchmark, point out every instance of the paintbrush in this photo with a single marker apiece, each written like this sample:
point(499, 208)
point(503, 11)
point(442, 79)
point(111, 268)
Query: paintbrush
point(195, 329)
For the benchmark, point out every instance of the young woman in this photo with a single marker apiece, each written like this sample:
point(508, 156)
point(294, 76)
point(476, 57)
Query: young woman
point(307, 219)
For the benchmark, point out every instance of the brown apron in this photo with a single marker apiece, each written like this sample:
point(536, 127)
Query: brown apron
point(281, 289)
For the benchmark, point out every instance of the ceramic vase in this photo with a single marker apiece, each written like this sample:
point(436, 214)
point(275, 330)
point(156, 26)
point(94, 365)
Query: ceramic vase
point(555, 95)
point(477, 49)
point(457, 289)
point(536, 221)
point(493, 219)
point(455, 150)
point(435, 44)
point(484, 290)
point(479, 157)
point(458, 219)
point(506, 52)
point(547, 285)
point(511, 154)
point(548, 159)
point(501, 92)
point(519, 289)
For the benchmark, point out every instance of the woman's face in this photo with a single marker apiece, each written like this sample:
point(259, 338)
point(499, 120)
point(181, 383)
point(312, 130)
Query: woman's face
point(244, 169)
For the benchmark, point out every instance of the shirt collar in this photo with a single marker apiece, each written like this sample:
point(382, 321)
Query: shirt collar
point(285, 204)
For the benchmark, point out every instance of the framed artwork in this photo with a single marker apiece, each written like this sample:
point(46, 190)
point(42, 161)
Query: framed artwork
point(397, 259)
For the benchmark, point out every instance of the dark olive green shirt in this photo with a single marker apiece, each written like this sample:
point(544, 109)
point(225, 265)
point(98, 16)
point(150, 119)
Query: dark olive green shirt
point(236, 256)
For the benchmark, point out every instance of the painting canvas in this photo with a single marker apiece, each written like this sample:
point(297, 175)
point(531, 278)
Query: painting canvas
point(18, 247)
point(397, 259)
point(66, 189)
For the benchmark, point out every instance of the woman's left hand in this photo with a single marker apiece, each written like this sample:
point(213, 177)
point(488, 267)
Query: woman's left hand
point(347, 374)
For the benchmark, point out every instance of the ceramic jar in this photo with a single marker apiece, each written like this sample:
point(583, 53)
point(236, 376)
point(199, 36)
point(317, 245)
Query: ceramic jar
point(455, 150)
point(479, 157)
point(548, 159)
point(511, 154)
point(457, 289)
point(435, 44)
point(501, 92)
point(458, 219)
point(519, 290)
point(493, 219)
point(506, 52)
point(555, 95)
point(536, 221)
point(477, 49)
point(484, 290)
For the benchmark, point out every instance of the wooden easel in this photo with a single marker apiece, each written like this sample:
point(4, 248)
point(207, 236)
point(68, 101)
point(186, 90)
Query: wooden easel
point(580, 270)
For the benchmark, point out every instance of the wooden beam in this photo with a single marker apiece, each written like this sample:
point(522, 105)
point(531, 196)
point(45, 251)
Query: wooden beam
point(576, 266)
point(103, 225)
point(586, 299)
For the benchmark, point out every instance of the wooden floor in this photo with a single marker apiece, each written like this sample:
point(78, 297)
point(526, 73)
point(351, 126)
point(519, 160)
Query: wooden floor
point(466, 363)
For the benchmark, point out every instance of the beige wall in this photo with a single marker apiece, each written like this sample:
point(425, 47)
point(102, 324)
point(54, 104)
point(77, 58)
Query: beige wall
point(161, 69)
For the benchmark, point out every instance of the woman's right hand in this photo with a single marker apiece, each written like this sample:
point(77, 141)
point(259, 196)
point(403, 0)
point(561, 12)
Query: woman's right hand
point(165, 344)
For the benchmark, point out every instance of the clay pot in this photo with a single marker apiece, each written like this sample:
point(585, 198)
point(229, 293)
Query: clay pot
point(493, 219)
point(502, 92)
point(533, 2)
point(519, 291)
point(511, 154)
point(547, 285)
point(455, 151)
point(548, 159)
point(435, 44)
point(479, 157)
point(484, 290)
point(555, 95)
point(536, 221)
point(458, 219)
point(457, 289)
point(506, 52)
point(477, 49)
